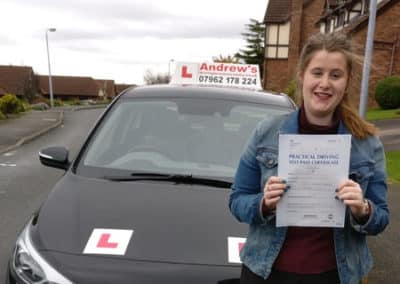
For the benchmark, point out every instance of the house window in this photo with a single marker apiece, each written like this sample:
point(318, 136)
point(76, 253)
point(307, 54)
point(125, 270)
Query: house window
point(325, 27)
point(366, 6)
point(322, 28)
point(355, 11)
point(341, 18)
point(277, 41)
point(331, 25)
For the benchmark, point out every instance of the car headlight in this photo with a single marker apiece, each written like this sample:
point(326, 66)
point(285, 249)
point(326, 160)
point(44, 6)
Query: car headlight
point(29, 266)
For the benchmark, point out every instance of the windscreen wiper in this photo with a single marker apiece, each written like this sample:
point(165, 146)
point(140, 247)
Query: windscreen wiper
point(176, 178)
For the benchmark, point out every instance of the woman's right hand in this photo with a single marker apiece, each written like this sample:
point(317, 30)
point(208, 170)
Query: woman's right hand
point(274, 188)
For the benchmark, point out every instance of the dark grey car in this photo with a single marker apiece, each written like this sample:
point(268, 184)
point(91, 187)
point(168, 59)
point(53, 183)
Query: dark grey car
point(145, 201)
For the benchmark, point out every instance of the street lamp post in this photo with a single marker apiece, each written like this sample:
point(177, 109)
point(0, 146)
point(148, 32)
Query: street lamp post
point(169, 68)
point(48, 61)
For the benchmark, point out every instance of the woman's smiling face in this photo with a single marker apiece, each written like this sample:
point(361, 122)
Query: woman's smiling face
point(324, 82)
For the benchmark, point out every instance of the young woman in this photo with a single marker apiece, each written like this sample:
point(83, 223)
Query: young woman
point(312, 254)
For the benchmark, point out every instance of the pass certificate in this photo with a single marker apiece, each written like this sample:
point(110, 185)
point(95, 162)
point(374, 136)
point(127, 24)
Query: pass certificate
point(313, 166)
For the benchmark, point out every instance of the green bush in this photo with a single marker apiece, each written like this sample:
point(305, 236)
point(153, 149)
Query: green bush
point(58, 103)
point(40, 99)
point(291, 90)
point(26, 106)
point(2, 116)
point(10, 104)
point(75, 102)
point(387, 93)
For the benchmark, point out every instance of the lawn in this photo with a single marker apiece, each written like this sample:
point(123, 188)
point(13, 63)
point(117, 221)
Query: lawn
point(393, 166)
point(378, 114)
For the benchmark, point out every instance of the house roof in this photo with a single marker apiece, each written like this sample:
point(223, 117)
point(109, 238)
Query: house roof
point(120, 87)
point(13, 78)
point(278, 11)
point(69, 86)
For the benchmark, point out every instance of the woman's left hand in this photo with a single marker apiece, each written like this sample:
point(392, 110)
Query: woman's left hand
point(351, 194)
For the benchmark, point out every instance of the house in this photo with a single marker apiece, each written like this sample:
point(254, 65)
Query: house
point(69, 87)
point(21, 81)
point(106, 88)
point(17, 80)
point(290, 22)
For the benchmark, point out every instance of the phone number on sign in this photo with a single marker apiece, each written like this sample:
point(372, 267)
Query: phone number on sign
point(227, 80)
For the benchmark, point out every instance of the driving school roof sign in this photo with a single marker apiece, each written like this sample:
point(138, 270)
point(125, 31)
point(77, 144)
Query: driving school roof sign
point(217, 74)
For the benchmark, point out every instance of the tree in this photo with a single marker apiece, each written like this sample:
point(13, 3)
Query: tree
point(225, 59)
point(151, 79)
point(254, 52)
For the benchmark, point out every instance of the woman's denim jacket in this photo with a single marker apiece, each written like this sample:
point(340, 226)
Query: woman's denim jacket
point(259, 161)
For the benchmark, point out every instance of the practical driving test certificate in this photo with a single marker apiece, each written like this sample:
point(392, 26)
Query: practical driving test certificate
point(313, 166)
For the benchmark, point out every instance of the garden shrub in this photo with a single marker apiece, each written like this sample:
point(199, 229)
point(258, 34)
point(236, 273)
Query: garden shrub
point(2, 116)
point(75, 102)
point(40, 106)
point(40, 99)
point(291, 90)
point(58, 103)
point(10, 104)
point(387, 93)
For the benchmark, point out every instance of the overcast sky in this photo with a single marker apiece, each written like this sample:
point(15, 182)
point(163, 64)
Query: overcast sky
point(121, 39)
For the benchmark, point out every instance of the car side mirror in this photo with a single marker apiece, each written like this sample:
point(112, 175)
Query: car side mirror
point(56, 157)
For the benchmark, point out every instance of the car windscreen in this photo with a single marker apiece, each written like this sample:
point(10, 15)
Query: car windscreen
point(191, 136)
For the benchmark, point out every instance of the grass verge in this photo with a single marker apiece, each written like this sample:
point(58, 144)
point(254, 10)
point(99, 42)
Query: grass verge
point(379, 114)
point(393, 166)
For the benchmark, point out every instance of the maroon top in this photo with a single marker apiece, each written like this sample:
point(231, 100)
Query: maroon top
point(309, 250)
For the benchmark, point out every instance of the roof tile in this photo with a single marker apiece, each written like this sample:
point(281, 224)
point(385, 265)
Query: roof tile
point(69, 86)
point(278, 11)
point(13, 78)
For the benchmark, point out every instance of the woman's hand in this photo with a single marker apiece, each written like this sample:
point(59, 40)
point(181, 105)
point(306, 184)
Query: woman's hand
point(351, 194)
point(274, 188)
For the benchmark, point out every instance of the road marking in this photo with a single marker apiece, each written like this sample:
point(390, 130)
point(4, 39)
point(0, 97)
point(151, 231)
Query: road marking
point(8, 154)
point(7, 165)
point(49, 119)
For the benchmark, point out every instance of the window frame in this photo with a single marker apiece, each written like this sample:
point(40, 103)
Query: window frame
point(278, 46)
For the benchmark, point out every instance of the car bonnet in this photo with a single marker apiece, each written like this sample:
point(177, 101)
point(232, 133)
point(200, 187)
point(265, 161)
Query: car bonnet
point(139, 220)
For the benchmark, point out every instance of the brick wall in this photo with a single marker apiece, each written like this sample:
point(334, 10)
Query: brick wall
point(311, 14)
point(294, 37)
point(276, 75)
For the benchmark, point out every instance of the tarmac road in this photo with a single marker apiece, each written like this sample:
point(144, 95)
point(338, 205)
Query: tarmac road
point(389, 131)
point(385, 248)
